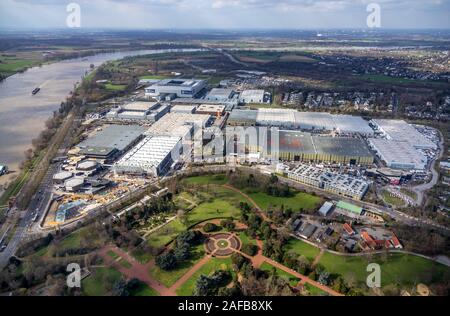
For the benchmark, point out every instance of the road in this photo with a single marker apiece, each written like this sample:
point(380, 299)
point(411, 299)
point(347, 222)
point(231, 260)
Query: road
point(38, 203)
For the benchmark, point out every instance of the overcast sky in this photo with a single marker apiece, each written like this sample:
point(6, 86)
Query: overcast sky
point(225, 14)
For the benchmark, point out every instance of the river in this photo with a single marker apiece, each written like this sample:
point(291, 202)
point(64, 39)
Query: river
point(23, 116)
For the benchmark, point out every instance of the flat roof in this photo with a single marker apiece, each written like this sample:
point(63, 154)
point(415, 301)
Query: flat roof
point(220, 93)
point(349, 207)
point(299, 142)
point(139, 106)
point(401, 131)
point(113, 136)
point(211, 108)
point(398, 152)
point(150, 152)
point(243, 115)
point(179, 82)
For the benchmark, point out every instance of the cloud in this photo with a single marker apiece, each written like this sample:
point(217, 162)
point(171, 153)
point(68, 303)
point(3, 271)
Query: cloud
point(226, 13)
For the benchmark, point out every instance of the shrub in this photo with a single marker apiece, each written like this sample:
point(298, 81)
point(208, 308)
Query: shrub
point(210, 227)
point(250, 250)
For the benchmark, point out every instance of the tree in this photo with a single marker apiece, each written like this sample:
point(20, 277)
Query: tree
point(120, 288)
point(228, 224)
point(182, 252)
point(250, 249)
point(210, 227)
point(166, 261)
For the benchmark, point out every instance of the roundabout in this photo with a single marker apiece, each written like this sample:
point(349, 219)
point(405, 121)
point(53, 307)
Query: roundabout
point(222, 244)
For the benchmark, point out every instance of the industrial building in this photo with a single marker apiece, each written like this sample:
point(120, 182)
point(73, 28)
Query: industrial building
point(61, 177)
point(184, 108)
point(399, 154)
point(220, 95)
point(182, 88)
point(211, 109)
point(398, 130)
point(139, 111)
point(306, 121)
point(326, 208)
point(110, 141)
point(178, 124)
point(340, 184)
point(255, 96)
point(152, 156)
point(274, 144)
point(349, 209)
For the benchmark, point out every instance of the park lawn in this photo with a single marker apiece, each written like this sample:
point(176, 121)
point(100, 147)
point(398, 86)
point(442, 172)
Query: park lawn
point(100, 281)
point(296, 202)
point(216, 209)
point(141, 256)
point(144, 290)
point(302, 248)
point(314, 291)
point(402, 269)
point(168, 278)
point(213, 265)
point(115, 87)
point(165, 234)
point(112, 254)
point(292, 280)
point(125, 264)
point(246, 239)
point(218, 179)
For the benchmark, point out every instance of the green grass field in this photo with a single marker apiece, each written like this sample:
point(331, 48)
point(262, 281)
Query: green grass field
point(302, 248)
point(11, 66)
point(112, 254)
point(168, 278)
point(214, 264)
point(166, 234)
point(399, 268)
point(215, 209)
point(218, 179)
point(314, 291)
point(115, 87)
point(297, 202)
point(409, 193)
point(144, 290)
point(141, 256)
point(246, 240)
point(153, 77)
point(292, 280)
point(100, 282)
point(392, 200)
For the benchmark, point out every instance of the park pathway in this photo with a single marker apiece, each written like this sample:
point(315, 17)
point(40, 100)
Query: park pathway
point(189, 274)
point(136, 271)
point(258, 209)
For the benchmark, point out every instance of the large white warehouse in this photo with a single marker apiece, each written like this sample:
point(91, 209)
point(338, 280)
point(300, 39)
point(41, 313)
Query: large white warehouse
point(182, 88)
point(399, 154)
point(152, 156)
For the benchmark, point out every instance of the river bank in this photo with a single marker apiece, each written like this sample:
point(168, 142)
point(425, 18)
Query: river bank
point(23, 115)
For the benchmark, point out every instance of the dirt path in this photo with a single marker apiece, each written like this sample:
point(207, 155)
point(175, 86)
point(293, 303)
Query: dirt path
point(317, 258)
